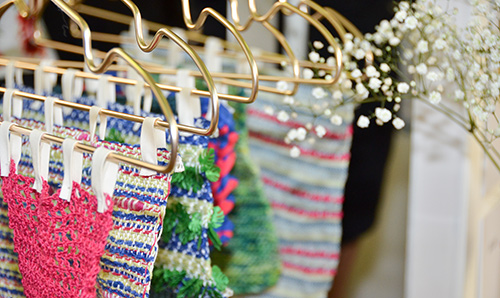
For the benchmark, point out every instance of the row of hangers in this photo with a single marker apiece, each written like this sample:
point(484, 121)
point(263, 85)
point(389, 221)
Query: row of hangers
point(80, 29)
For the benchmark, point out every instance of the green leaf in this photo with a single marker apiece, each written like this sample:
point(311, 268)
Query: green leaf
point(215, 238)
point(191, 288)
point(221, 280)
point(217, 218)
point(207, 162)
point(195, 224)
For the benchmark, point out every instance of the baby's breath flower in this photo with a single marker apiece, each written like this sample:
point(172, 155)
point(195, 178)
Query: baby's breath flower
point(363, 121)
point(283, 116)
point(411, 22)
point(318, 45)
point(362, 91)
point(422, 46)
point(356, 73)
point(435, 97)
point(336, 120)
point(398, 123)
point(314, 57)
point(288, 100)
point(372, 72)
point(320, 131)
point(282, 85)
point(385, 67)
point(403, 88)
point(308, 73)
point(319, 93)
point(269, 110)
point(459, 94)
point(295, 152)
point(383, 114)
point(374, 83)
point(421, 69)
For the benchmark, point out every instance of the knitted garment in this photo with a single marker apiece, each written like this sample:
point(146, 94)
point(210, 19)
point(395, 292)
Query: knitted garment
point(10, 278)
point(138, 213)
point(225, 158)
point(59, 243)
point(306, 193)
point(251, 259)
point(183, 262)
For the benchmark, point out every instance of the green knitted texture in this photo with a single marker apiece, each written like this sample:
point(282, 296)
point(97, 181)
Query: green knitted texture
point(251, 259)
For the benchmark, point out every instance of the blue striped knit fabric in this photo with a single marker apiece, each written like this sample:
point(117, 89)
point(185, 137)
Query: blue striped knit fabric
point(306, 193)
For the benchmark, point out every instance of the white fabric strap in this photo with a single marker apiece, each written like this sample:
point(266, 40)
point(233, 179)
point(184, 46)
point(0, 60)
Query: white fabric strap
point(9, 74)
point(106, 91)
point(72, 87)
point(138, 91)
point(213, 47)
point(91, 85)
point(103, 177)
point(12, 105)
point(94, 114)
point(40, 152)
point(148, 100)
point(19, 76)
point(72, 162)
point(53, 114)
point(188, 106)
point(151, 139)
point(5, 149)
point(38, 79)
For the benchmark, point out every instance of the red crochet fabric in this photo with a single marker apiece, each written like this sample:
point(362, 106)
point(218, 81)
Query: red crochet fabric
point(59, 243)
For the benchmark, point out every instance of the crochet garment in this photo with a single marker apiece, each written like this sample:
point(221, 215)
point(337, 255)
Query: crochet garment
point(183, 264)
point(59, 243)
point(306, 193)
point(138, 213)
point(251, 259)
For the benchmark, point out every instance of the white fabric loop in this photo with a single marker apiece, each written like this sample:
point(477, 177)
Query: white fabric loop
point(9, 74)
point(5, 148)
point(53, 114)
point(72, 87)
point(72, 162)
point(188, 106)
point(151, 139)
point(103, 177)
point(106, 91)
point(40, 152)
point(93, 116)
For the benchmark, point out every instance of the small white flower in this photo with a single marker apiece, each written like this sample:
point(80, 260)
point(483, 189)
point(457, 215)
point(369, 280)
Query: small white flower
point(288, 100)
point(337, 95)
point(362, 91)
point(411, 69)
point(314, 57)
point(403, 87)
point(330, 49)
point(413, 84)
point(331, 61)
point(450, 74)
point(411, 22)
point(374, 83)
point(435, 97)
point(319, 92)
point(336, 120)
point(292, 134)
point(321, 73)
point(356, 73)
point(318, 45)
point(283, 116)
point(400, 15)
point(394, 41)
point(268, 110)
point(308, 73)
point(327, 112)
point(363, 121)
point(295, 152)
point(398, 123)
point(385, 67)
point(301, 133)
point(433, 76)
point(404, 5)
point(440, 44)
point(459, 94)
point(320, 131)
point(359, 54)
point(347, 84)
point(388, 81)
point(421, 69)
point(282, 86)
point(372, 72)
point(422, 46)
point(396, 107)
point(397, 99)
point(383, 114)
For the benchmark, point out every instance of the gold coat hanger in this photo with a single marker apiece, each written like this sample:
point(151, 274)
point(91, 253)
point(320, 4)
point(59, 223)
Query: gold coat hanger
point(108, 60)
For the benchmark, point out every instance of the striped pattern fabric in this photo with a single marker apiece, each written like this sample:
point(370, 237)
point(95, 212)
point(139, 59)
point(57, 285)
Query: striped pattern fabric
point(138, 213)
point(306, 193)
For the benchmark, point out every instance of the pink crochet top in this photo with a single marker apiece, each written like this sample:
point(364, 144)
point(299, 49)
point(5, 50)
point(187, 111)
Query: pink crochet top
point(59, 243)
